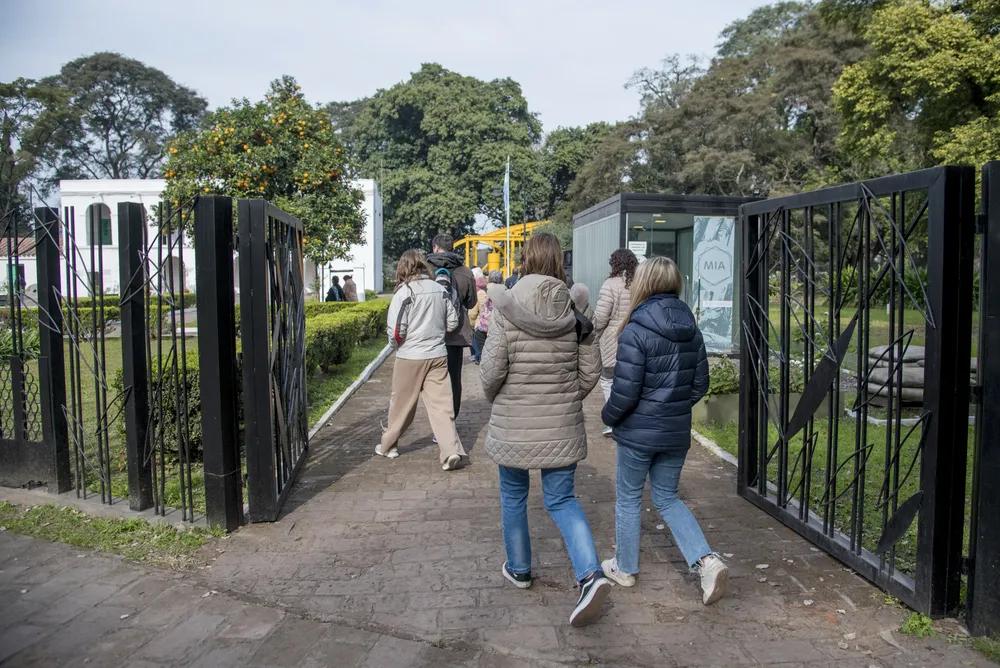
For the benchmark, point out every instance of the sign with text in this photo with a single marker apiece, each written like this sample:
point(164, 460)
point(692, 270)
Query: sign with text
point(713, 280)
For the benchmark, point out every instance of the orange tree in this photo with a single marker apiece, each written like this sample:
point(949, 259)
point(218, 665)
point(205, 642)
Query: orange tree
point(279, 149)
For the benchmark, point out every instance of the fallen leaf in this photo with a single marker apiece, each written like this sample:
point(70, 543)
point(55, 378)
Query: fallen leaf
point(762, 567)
point(761, 579)
point(850, 636)
point(807, 602)
point(728, 555)
point(125, 616)
point(841, 611)
point(660, 527)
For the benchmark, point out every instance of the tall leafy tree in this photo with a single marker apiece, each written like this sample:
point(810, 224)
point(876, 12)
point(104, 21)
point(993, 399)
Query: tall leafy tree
point(280, 149)
point(929, 92)
point(26, 127)
point(440, 141)
point(121, 115)
point(565, 151)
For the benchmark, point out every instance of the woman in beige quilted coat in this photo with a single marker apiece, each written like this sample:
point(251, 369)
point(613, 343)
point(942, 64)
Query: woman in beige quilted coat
point(612, 308)
point(536, 372)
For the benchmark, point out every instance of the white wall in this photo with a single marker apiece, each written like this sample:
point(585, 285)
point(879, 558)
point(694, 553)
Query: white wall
point(76, 197)
point(365, 259)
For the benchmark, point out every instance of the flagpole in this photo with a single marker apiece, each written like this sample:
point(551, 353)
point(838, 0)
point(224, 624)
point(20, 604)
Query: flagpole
point(506, 202)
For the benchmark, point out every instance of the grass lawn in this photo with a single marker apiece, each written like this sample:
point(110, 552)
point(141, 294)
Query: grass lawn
point(153, 543)
point(727, 436)
point(325, 388)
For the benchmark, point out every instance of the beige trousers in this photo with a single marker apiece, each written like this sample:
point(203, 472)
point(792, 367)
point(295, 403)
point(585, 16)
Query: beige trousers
point(413, 379)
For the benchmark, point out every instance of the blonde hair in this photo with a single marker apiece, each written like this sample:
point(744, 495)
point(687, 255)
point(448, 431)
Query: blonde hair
point(411, 267)
point(655, 276)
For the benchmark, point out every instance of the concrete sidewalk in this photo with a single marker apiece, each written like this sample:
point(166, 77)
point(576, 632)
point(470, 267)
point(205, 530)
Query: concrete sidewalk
point(397, 563)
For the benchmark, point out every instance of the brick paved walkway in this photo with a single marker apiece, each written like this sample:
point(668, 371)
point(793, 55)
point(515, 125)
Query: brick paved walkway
point(402, 547)
point(396, 563)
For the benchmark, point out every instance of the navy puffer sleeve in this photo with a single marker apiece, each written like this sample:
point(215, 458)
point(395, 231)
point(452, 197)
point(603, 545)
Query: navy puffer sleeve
point(626, 390)
point(700, 386)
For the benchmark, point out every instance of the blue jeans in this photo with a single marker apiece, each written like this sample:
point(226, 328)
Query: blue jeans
point(560, 500)
point(664, 472)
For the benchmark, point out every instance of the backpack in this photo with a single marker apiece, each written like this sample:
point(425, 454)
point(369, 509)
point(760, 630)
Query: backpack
point(443, 278)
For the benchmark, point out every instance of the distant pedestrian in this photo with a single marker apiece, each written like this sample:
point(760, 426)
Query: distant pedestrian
point(536, 372)
point(335, 293)
point(612, 306)
point(512, 279)
point(662, 371)
point(474, 315)
point(350, 289)
point(460, 285)
point(419, 319)
point(485, 313)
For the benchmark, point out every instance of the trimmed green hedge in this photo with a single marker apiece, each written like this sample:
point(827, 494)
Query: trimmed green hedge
point(330, 337)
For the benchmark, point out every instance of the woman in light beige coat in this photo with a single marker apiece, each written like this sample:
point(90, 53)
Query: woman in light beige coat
point(536, 372)
point(612, 308)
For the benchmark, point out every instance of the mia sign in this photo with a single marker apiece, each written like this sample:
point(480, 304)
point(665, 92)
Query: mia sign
point(713, 280)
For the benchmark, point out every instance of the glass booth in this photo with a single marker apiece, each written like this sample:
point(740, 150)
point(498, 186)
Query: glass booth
point(699, 233)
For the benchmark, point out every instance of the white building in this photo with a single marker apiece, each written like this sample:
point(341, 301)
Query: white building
point(91, 208)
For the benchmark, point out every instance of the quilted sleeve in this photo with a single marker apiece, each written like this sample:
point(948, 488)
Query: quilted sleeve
point(588, 365)
point(701, 375)
point(605, 305)
point(494, 362)
point(630, 370)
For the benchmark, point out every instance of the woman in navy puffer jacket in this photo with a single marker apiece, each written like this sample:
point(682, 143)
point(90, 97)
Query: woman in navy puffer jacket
point(661, 372)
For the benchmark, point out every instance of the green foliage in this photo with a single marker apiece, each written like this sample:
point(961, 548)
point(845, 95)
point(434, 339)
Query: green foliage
point(370, 295)
point(333, 334)
point(442, 140)
point(29, 347)
point(280, 149)
point(918, 626)
point(988, 647)
point(764, 26)
point(929, 93)
point(158, 543)
point(117, 118)
point(565, 151)
point(724, 378)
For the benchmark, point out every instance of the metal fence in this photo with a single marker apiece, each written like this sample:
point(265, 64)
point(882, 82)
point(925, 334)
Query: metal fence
point(114, 394)
point(859, 299)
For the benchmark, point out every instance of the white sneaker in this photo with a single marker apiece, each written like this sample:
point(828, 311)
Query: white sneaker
point(714, 576)
point(607, 431)
point(392, 454)
point(434, 440)
point(610, 568)
point(451, 463)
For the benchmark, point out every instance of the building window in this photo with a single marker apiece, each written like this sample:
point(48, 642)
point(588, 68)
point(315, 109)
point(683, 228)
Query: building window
point(98, 225)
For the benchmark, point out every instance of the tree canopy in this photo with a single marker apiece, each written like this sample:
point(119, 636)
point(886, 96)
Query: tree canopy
point(117, 118)
point(280, 149)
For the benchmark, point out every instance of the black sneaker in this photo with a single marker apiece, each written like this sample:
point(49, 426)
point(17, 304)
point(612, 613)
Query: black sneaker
point(593, 591)
point(520, 580)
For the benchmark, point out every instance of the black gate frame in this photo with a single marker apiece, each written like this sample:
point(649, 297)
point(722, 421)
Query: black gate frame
point(935, 589)
point(272, 320)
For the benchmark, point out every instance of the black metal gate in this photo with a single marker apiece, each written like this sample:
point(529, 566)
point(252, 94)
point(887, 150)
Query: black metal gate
point(859, 297)
point(272, 319)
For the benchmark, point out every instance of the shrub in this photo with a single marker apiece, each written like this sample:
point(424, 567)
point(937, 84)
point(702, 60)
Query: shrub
point(370, 295)
point(330, 337)
point(191, 380)
point(31, 345)
point(724, 377)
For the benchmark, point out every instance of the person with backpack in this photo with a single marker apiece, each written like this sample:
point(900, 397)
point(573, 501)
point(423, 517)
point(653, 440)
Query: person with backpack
point(419, 319)
point(539, 364)
point(661, 372)
point(460, 287)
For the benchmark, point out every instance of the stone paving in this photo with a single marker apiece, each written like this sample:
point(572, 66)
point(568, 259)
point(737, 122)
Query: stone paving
point(397, 563)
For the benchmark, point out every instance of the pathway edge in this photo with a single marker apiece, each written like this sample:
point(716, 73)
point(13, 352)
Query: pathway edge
point(713, 447)
point(349, 392)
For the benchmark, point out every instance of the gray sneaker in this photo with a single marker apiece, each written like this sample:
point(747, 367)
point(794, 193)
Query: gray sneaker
point(610, 568)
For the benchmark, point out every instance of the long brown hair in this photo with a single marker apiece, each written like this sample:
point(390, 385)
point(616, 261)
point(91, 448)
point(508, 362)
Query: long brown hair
point(411, 267)
point(655, 276)
point(543, 255)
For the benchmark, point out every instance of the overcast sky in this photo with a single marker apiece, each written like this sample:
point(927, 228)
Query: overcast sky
point(570, 57)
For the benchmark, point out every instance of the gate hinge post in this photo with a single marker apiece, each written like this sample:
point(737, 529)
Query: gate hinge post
point(980, 223)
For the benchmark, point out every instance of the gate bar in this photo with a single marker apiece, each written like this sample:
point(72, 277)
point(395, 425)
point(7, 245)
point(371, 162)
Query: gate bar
point(983, 609)
point(213, 241)
point(135, 373)
point(52, 364)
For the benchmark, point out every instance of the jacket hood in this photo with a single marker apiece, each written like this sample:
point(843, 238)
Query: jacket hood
point(447, 260)
point(538, 305)
point(668, 316)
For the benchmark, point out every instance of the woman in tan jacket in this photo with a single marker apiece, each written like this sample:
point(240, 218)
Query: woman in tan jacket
point(613, 305)
point(536, 372)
